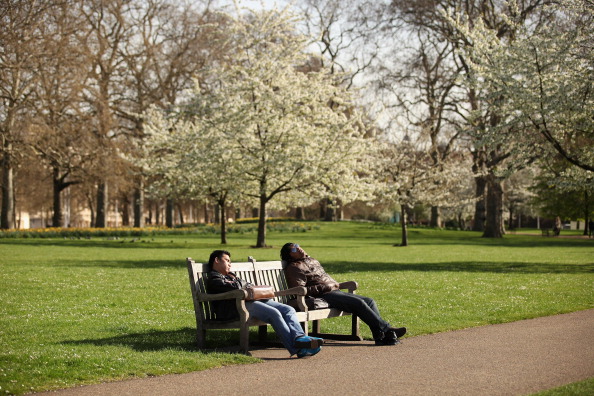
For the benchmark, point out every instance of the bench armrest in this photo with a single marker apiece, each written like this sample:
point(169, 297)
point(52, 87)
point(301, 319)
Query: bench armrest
point(294, 291)
point(230, 295)
point(351, 286)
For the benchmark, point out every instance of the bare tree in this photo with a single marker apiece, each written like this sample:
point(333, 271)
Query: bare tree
point(57, 131)
point(424, 85)
point(171, 44)
point(21, 43)
point(104, 32)
point(345, 49)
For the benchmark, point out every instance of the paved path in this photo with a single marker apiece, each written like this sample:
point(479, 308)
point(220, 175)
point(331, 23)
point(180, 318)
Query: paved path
point(516, 358)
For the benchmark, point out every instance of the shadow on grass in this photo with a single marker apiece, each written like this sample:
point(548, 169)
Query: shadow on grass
point(511, 241)
point(341, 267)
point(507, 267)
point(148, 264)
point(159, 340)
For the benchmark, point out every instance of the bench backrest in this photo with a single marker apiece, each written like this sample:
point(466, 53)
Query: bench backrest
point(258, 273)
point(271, 273)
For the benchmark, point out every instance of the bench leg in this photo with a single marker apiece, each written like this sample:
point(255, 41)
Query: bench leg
point(315, 327)
point(244, 338)
point(201, 337)
point(262, 333)
point(305, 327)
point(355, 329)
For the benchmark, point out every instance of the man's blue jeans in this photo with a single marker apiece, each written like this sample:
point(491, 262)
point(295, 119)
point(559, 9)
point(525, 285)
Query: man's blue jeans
point(282, 317)
point(364, 307)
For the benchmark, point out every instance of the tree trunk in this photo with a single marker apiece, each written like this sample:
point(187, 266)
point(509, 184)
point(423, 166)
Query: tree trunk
point(223, 223)
point(180, 214)
point(169, 213)
point(586, 213)
point(330, 210)
point(323, 209)
point(57, 218)
point(494, 222)
point(510, 224)
point(91, 209)
point(217, 214)
point(60, 184)
point(435, 216)
point(403, 222)
point(139, 204)
point(150, 213)
point(101, 216)
point(261, 241)
point(299, 215)
point(125, 211)
point(7, 220)
point(479, 206)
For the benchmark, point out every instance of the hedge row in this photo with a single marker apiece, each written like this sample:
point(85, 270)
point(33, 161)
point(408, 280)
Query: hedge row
point(122, 232)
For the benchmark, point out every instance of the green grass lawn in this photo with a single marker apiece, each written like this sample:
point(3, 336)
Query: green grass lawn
point(85, 311)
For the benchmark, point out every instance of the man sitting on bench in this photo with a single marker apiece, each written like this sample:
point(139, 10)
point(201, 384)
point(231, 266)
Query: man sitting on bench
point(303, 270)
point(281, 316)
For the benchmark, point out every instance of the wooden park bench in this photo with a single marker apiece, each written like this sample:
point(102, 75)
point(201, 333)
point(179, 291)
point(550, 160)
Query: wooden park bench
point(259, 273)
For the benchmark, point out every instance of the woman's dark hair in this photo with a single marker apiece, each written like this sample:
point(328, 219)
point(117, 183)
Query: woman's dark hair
point(285, 252)
point(217, 254)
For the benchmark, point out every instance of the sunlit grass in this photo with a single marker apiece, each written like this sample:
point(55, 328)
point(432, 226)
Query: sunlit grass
point(85, 311)
point(581, 388)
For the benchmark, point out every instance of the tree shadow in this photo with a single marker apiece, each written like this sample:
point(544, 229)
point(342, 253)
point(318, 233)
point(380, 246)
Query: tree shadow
point(511, 241)
point(127, 264)
point(122, 243)
point(342, 267)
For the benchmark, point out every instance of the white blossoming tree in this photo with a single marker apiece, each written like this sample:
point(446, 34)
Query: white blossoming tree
point(410, 176)
point(542, 82)
point(188, 160)
point(259, 128)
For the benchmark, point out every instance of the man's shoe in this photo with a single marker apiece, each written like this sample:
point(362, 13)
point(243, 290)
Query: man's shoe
point(307, 342)
point(387, 341)
point(390, 337)
point(304, 352)
point(399, 331)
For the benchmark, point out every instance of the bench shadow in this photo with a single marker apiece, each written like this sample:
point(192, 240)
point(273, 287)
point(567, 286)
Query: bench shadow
point(182, 340)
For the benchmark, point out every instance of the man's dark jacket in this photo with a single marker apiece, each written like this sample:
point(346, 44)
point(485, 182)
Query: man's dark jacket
point(219, 283)
point(309, 272)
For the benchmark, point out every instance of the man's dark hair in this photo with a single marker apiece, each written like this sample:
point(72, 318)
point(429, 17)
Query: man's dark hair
point(285, 252)
point(217, 254)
